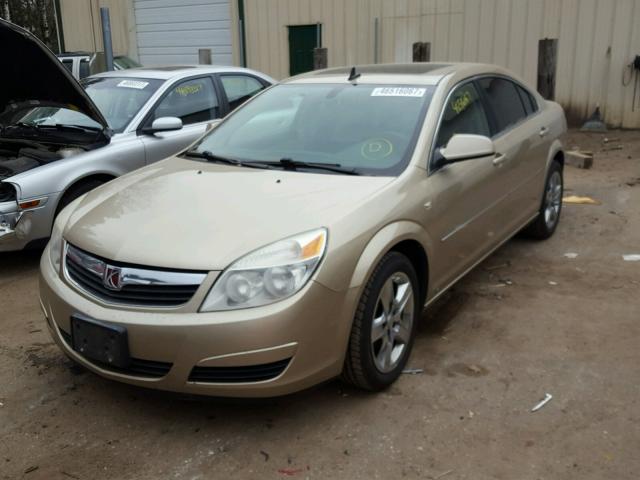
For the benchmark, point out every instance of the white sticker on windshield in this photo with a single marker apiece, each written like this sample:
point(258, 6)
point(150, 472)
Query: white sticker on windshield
point(398, 92)
point(133, 84)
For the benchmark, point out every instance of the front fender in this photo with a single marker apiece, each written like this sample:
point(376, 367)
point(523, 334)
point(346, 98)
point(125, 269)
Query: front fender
point(114, 159)
point(382, 242)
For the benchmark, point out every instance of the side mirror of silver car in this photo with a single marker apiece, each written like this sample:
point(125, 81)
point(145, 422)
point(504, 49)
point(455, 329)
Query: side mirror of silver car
point(163, 124)
point(464, 146)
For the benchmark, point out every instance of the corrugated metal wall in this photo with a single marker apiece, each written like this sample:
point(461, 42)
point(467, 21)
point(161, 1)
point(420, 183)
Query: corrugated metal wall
point(596, 39)
point(171, 31)
point(83, 31)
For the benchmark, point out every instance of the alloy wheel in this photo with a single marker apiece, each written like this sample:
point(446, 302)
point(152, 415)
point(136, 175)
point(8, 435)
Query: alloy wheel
point(553, 199)
point(392, 322)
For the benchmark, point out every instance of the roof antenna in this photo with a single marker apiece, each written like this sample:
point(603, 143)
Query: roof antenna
point(353, 75)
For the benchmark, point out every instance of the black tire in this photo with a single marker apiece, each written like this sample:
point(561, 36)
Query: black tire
point(76, 191)
point(360, 367)
point(542, 228)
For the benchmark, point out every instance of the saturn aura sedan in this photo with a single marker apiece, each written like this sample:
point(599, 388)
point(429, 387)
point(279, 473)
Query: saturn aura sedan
point(300, 239)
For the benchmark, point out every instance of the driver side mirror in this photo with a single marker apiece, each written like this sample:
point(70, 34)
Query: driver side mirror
point(163, 124)
point(464, 146)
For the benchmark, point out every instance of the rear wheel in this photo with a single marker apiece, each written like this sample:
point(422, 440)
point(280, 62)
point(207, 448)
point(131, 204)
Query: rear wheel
point(383, 329)
point(549, 215)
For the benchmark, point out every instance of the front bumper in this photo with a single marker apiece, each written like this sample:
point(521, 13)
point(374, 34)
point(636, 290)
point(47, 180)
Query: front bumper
point(20, 227)
point(311, 329)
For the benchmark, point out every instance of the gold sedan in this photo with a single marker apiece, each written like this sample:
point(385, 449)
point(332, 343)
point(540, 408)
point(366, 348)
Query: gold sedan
point(300, 239)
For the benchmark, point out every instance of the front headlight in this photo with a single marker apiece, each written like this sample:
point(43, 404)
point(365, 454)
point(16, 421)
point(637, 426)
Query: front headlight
point(55, 245)
point(269, 274)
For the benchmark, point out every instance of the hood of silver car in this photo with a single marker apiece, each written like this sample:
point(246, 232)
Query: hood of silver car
point(193, 215)
point(33, 76)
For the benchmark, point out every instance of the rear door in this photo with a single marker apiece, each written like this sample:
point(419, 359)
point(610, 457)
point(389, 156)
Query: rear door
point(461, 198)
point(521, 138)
point(196, 102)
point(237, 88)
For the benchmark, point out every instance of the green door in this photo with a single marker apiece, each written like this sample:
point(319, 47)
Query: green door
point(302, 40)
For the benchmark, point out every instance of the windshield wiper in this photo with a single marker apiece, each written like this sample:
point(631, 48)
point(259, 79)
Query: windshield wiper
point(290, 164)
point(211, 157)
point(62, 126)
point(30, 126)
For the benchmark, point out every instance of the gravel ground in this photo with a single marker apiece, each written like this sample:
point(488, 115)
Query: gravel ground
point(527, 321)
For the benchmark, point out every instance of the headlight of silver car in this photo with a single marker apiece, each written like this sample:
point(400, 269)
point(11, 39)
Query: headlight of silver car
point(55, 245)
point(269, 274)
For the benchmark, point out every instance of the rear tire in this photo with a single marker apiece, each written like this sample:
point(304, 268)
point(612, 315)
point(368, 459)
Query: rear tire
point(384, 326)
point(548, 217)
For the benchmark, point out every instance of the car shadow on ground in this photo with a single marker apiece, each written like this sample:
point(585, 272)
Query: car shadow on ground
point(17, 262)
point(21, 259)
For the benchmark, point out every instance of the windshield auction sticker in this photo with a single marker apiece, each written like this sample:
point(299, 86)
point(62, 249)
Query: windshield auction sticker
point(398, 92)
point(133, 84)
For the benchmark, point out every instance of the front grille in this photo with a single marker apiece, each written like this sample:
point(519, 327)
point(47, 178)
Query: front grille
point(138, 367)
point(150, 288)
point(252, 373)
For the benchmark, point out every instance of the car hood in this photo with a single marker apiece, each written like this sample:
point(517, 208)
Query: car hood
point(187, 214)
point(32, 76)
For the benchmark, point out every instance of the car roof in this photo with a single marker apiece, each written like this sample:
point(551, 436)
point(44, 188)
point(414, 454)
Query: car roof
point(170, 72)
point(419, 73)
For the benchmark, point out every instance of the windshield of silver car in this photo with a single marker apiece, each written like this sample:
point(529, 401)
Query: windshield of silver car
point(361, 129)
point(118, 99)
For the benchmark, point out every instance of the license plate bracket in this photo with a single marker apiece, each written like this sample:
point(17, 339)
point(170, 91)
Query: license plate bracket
point(101, 342)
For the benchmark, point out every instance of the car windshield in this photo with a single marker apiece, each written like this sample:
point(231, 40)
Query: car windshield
point(118, 99)
point(368, 129)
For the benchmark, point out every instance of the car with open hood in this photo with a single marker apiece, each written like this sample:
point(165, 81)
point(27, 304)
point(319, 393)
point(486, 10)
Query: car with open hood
point(59, 139)
point(300, 239)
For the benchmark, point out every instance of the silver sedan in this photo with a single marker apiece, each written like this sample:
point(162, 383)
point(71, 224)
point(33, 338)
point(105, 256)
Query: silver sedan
point(58, 141)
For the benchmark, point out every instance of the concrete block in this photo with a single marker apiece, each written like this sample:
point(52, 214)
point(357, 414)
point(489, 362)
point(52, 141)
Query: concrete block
point(579, 159)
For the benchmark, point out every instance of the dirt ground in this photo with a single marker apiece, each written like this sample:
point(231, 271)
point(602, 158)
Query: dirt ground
point(527, 321)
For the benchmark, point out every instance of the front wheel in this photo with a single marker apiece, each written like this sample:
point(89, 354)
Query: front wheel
point(549, 215)
point(384, 325)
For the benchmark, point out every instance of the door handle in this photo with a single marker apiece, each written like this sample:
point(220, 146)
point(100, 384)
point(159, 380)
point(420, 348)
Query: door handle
point(543, 131)
point(499, 159)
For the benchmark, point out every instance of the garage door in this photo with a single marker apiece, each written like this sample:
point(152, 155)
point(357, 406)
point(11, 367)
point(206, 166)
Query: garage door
point(170, 32)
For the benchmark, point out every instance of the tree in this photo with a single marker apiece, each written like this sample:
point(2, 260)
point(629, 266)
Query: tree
point(37, 16)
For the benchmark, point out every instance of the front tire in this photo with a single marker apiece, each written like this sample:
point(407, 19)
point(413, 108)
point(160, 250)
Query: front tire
point(76, 191)
point(548, 217)
point(384, 325)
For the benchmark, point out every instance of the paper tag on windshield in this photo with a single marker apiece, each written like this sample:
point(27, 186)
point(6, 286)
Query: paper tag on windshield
point(133, 84)
point(398, 92)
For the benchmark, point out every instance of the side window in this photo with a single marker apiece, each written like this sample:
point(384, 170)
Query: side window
point(193, 100)
point(463, 113)
point(68, 64)
point(240, 88)
point(504, 100)
point(529, 102)
point(84, 68)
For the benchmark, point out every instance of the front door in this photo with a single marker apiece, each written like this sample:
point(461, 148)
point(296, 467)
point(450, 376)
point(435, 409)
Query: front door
point(302, 40)
point(195, 101)
point(462, 198)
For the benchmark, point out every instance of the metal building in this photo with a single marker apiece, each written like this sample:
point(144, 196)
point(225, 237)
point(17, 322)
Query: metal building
point(590, 43)
point(578, 52)
point(155, 32)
